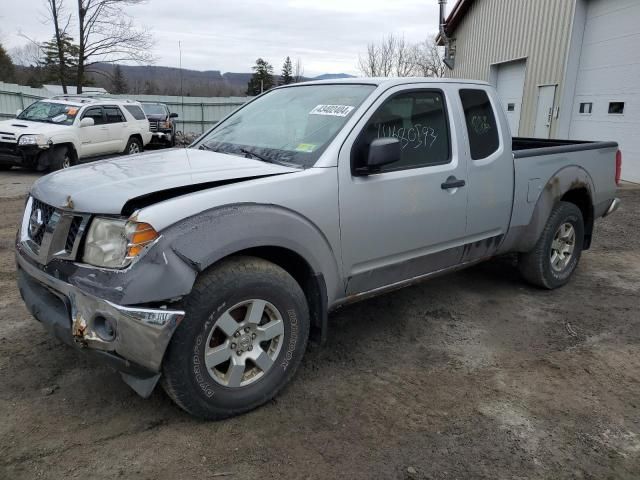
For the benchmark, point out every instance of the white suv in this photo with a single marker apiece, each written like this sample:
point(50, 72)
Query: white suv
point(62, 131)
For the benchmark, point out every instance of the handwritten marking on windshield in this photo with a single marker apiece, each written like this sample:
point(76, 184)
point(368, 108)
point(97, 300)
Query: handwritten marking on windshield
point(415, 137)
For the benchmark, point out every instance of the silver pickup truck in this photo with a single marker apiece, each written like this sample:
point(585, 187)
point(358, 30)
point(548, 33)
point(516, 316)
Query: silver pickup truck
point(207, 268)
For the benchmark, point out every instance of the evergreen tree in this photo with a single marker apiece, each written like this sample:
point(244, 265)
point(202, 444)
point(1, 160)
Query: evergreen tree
point(119, 82)
point(262, 79)
point(64, 74)
point(7, 72)
point(287, 72)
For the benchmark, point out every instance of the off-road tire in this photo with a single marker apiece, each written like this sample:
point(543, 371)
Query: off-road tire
point(133, 141)
point(61, 157)
point(535, 266)
point(186, 378)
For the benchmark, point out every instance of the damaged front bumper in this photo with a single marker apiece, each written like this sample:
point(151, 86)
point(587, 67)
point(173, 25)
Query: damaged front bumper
point(132, 340)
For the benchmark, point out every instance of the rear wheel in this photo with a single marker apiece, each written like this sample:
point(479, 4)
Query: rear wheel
point(556, 255)
point(134, 145)
point(242, 339)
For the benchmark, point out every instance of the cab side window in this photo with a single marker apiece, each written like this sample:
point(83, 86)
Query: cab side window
point(418, 120)
point(114, 115)
point(96, 114)
point(481, 123)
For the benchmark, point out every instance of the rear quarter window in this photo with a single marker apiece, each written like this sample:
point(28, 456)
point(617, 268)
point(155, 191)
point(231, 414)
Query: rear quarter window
point(482, 128)
point(136, 111)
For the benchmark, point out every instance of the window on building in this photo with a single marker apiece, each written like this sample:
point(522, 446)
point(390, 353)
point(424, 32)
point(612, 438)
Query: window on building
point(616, 108)
point(511, 107)
point(481, 123)
point(586, 108)
point(419, 120)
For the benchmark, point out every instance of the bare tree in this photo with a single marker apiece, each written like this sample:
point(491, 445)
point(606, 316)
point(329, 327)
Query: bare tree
point(28, 55)
point(61, 21)
point(428, 59)
point(108, 35)
point(392, 56)
point(298, 72)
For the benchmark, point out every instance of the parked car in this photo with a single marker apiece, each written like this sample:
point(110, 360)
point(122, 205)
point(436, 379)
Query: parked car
point(65, 130)
point(161, 123)
point(208, 267)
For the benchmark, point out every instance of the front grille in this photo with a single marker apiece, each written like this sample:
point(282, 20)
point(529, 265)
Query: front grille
point(7, 136)
point(8, 147)
point(46, 212)
point(153, 125)
point(49, 232)
point(74, 229)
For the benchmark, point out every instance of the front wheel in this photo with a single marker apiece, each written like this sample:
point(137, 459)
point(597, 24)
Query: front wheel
point(242, 339)
point(62, 157)
point(134, 146)
point(556, 255)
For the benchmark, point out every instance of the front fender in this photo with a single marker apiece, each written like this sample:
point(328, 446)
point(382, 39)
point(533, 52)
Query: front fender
point(527, 224)
point(210, 236)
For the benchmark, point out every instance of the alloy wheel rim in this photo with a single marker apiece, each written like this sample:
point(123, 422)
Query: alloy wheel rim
point(244, 343)
point(133, 148)
point(562, 247)
point(66, 162)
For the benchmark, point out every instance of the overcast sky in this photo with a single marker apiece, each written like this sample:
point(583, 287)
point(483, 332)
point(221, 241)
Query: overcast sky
point(327, 35)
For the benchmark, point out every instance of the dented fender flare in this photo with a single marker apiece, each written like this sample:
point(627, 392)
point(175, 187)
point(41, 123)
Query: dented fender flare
point(522, 238)
point(208, 237)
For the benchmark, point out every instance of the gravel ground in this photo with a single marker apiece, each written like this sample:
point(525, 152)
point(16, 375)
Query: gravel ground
point(473, 375)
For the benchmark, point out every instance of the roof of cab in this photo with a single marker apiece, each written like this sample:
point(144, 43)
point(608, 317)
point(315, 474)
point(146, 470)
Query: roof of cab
point(390, 82)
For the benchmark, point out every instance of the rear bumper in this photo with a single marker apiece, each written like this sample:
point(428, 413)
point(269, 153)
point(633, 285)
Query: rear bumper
point(132, 340)
point(615, 204)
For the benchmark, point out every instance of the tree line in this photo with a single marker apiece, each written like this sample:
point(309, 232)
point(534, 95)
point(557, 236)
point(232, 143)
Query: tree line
point(263, 78)
point(92, 32)
point(393, 56)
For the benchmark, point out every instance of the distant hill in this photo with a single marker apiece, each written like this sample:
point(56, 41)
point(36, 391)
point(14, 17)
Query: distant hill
point(167, 80)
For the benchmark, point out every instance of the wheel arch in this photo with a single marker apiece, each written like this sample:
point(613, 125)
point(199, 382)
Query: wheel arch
point(571, 184)
point(270, 232)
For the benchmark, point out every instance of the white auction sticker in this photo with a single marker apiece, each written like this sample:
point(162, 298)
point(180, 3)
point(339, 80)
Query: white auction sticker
point(334, 110)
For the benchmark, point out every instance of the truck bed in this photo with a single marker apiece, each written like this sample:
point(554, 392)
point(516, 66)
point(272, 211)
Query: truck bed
point(530, 147)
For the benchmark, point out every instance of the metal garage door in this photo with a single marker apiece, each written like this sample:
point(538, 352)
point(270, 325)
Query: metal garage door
point(607, 101)
point(510, 84)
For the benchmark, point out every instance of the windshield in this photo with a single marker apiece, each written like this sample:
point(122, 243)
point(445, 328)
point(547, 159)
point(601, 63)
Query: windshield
point(288, 125)
point(50, 112)
point(154, 109)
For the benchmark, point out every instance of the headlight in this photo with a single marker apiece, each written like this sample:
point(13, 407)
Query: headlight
point(114, 243)
point(165, 124)
point(39, 140)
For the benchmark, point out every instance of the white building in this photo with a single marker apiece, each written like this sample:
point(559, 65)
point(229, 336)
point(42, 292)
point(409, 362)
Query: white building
point(564, 68)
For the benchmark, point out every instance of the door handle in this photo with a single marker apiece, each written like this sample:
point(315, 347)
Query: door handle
point(452, 182)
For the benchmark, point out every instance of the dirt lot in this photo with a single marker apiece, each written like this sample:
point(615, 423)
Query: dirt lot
point(474, 375)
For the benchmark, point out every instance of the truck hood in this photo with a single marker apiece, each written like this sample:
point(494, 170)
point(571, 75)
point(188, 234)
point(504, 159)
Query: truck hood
point(106, 186)
point(17, 128)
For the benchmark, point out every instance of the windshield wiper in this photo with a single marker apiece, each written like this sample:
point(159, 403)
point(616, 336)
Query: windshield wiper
point(259, 157)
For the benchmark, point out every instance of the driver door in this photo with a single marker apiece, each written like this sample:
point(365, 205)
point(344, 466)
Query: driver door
point(94, 140)
point(402, 222)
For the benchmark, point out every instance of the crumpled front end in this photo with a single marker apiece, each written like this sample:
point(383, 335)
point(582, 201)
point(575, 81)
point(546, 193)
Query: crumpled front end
point(131, 339)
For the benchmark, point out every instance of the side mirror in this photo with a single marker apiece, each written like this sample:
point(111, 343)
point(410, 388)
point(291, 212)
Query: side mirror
point(382, 151)
point(18, 112)
point(87, 122)
point(173, 115)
